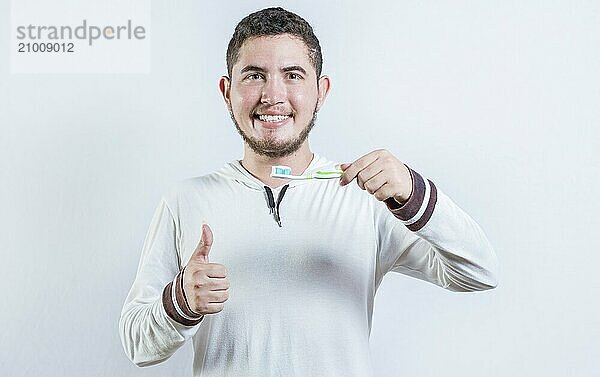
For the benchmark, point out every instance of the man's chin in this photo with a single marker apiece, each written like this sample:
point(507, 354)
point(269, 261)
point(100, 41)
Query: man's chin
point(273, 151)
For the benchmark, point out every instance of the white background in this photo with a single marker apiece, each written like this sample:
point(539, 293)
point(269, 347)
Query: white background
point(498, 102)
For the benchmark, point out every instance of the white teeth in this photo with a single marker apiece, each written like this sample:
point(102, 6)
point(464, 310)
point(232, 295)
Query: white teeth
point(273, 118)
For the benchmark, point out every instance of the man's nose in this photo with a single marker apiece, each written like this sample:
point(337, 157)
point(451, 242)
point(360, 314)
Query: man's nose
point(273, 92)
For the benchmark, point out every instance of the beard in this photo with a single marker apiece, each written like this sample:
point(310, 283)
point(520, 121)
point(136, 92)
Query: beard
point(275, 148)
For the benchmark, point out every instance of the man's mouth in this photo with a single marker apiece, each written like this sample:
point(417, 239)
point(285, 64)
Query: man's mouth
point(271, 118)
point(272, 121)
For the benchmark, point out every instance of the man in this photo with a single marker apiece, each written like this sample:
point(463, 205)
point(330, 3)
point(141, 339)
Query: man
point(294, 264)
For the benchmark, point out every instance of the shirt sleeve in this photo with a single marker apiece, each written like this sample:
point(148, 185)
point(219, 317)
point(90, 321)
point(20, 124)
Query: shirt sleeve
point(431, 238)
point(154, 321)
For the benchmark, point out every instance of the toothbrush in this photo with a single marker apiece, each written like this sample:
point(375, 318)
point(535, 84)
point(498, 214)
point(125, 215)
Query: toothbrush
point(285, 172)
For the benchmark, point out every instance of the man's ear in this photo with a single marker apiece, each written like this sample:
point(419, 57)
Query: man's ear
point(225, 89)
point(324, 85)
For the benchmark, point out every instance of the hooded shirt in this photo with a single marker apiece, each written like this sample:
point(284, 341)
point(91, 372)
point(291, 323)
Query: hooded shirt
point(304, 262)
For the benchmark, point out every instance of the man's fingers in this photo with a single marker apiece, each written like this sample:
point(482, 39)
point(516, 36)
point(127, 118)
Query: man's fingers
point(203, 248)
point(352, 171)
point(368, 173)
point(212, 308)
point(212, 270)
point(221, 282)
point(365, 174)
point(384, 193)
point(375, 182)
point(217, 296)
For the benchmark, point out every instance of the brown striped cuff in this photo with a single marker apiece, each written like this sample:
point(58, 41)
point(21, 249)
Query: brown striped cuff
point(176, 305)
point(417, 210)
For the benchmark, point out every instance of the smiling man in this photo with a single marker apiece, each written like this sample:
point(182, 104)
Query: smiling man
point(274, 90)
point(276, 101)
point(294, 264)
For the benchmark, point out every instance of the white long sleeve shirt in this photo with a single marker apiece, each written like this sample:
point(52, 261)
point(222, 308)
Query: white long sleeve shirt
point(301, 294)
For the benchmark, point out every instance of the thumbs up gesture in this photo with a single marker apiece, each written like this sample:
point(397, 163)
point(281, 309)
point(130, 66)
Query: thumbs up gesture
point(205, 285)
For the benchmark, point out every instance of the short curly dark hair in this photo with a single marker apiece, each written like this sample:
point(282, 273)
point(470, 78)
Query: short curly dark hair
point(274, 21)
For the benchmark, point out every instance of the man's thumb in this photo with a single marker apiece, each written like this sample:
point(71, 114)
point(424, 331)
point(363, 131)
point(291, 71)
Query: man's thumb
point(206, 240)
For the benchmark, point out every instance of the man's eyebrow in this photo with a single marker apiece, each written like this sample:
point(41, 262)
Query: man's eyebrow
point(294, 68)
point(252, 68)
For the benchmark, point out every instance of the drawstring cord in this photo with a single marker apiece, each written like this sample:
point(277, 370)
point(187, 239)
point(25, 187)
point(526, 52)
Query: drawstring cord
point(274, 207)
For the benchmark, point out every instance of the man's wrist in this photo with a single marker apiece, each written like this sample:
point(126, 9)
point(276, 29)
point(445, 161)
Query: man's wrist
point(176, 305)
point(418, 208)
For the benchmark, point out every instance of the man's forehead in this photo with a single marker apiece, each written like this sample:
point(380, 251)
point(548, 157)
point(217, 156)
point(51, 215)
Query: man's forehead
point(274, 39)
point(277, 51)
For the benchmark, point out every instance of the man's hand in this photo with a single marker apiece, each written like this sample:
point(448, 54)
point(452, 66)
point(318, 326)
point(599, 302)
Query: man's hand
point(381, 174)
point(205, 284)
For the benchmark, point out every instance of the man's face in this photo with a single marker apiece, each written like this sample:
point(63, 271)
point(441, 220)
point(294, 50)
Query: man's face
point(273, 94)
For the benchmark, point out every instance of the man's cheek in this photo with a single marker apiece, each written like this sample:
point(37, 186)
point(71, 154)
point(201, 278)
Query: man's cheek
point(301, 101)
point(248, 104)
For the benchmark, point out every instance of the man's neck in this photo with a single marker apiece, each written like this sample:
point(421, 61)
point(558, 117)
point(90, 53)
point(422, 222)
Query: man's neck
point(260, 166)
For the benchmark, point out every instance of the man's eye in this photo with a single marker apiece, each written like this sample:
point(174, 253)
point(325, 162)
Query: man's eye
point(294, 76)
point(254, 76)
